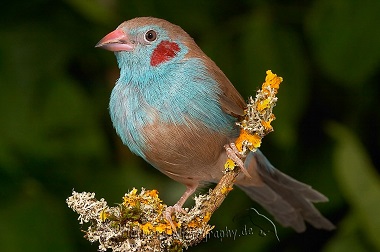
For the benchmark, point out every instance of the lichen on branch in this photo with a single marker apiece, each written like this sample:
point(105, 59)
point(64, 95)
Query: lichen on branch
point(137, 224)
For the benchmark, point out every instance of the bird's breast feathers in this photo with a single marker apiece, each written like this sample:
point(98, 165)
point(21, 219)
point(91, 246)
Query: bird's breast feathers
point(182, 94)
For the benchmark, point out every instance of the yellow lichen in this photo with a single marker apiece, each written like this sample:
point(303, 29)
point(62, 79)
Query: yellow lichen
point(162, 227)
point(193, 224)
point(103, 215)
point(152, 193)
point(253, 139)
point(263, 104)
point(272, 80)
point(199, 222)
point(133, 192)
point(266, 125)
point(229, 165)
point(207, 216)
point(147, 228)
point(225, 190)
point(129, 202)
point(130, 199)
point(169, 230)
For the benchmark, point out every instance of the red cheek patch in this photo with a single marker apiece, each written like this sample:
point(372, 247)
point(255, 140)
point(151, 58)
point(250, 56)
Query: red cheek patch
point(164, 52)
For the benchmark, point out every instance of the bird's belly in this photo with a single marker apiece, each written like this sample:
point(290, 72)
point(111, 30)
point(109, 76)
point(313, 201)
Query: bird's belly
point(187, 154)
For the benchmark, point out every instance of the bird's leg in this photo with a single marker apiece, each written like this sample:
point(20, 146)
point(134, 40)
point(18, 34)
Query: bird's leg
point(234, 154)
point(177, 207)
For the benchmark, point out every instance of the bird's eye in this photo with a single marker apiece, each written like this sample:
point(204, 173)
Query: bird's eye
point(150, 36)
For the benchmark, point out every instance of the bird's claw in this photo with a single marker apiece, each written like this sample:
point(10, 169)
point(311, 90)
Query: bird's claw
point(168, 214)
point(234, 154)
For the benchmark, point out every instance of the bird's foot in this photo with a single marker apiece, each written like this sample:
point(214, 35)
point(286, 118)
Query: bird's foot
point(168, 214)
point(234, 154)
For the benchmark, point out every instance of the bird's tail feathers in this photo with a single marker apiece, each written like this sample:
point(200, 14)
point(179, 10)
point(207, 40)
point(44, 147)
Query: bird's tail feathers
point(288, 200)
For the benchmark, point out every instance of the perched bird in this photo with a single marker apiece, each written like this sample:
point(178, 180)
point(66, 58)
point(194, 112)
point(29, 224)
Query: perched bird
point(175, 108)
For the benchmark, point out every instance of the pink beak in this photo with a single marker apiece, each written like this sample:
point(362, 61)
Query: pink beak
point(116, 41)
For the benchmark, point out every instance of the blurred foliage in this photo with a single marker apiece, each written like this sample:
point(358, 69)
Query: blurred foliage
point(357, 177)
point(56, 135)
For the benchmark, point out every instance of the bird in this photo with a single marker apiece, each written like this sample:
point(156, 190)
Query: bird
point(175, 108)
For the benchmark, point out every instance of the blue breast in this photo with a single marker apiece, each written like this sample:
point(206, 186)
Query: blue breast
point(174, 93)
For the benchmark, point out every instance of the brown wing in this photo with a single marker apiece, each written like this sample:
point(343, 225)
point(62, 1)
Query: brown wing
point(231, 100)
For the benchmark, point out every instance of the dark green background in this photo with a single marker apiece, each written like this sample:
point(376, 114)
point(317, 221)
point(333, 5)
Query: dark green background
point(56, 135)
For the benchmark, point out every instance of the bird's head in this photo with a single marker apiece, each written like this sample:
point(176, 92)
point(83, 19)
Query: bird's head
point(147, 42)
